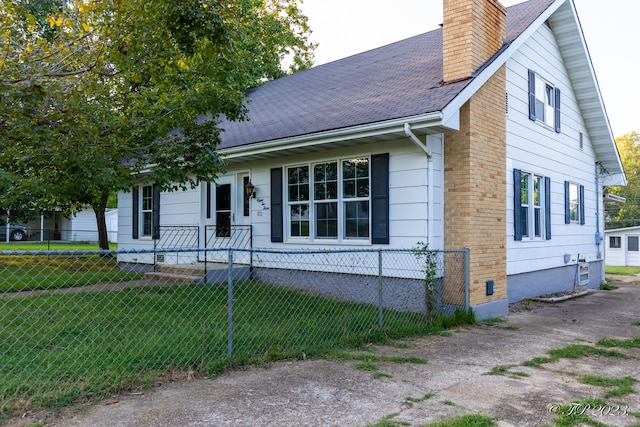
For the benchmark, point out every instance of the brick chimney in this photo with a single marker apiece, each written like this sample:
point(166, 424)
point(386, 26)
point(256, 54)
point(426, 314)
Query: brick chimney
point(475, 157)
point(473, 31)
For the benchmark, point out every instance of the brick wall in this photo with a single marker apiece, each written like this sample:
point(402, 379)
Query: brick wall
point(473, 31)
point(475, 188)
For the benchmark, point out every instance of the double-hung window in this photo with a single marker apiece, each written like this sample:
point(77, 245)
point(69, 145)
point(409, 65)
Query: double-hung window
point(146, 212)
point(532, 210)
point(573, 203)
point(329, 200)
point(544, 101)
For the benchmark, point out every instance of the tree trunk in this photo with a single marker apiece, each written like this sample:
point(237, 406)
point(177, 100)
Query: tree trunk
point(103, 238)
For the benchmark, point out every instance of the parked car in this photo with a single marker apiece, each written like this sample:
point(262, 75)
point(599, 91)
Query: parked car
point(16, 232)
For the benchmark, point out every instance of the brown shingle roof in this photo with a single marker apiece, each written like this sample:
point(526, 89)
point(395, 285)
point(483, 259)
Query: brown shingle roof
point(398, 80)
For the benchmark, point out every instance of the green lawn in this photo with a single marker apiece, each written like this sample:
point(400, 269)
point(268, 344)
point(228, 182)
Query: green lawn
point(58, 349)
point(52, 246)
point(36, 272)
point(620, 270)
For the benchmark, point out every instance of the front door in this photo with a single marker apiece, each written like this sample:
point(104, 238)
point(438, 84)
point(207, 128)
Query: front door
point(229, 223)
point(224, 213)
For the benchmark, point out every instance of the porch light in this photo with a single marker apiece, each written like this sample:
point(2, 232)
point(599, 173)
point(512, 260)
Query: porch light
point(250, 190)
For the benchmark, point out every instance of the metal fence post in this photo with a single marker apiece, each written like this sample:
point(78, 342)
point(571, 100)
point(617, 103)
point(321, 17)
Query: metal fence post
point(205, 252)
point(230, 307)
point(466, 277)
point(380, 322)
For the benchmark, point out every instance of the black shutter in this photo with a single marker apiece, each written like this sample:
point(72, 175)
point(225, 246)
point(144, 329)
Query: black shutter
point(532, 95)
point(581, 202)
point(517, 196)
point(380, 199)
point(277, 219)
point(135, 225)
point(208, 198)
point(155, 213)
point(547, 207)
point(567, 204)
point(557, 110)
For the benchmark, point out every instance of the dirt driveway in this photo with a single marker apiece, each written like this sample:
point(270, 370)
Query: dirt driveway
point(453, 382)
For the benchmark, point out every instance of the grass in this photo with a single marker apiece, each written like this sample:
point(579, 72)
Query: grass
point(388, 422)
point(465, 421)
point(53, 246)
point(496, 322)
point(504, 370)
point(420, 399)
point(58, 349)
point(621, 270)
point(630, 343)
point(38, 272)
point(574, 351)
point(608, 287)
point(576, 413)
point(623, 386)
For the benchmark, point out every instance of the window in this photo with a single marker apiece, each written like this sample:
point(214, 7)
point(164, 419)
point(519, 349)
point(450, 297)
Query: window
point(615, 242)
point(544, 101)
point(329, 200)
point(532, 206)
point(146, 211)
point(632, 243)
point(573, 203)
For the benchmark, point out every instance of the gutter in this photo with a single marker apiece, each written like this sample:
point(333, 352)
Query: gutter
point(434, 121)
point(423, 146)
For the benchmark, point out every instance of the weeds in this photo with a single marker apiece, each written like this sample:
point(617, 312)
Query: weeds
point(574, 351)
point(504, 370)
point(630, 343)
point(465, 421)
point(623, 385)
point(420, 399)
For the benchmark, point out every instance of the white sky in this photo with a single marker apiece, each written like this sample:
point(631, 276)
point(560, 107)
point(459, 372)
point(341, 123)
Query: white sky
point(611, 28)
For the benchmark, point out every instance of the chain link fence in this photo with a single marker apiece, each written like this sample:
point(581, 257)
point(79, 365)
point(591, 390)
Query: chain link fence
point(80, 325)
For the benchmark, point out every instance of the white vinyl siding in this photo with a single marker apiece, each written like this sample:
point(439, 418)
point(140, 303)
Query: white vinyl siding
point(532, 147)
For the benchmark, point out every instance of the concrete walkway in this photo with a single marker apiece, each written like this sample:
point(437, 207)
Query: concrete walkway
point(453, 382)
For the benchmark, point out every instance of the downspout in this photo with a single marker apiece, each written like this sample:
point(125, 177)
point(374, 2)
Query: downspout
point(412, 136)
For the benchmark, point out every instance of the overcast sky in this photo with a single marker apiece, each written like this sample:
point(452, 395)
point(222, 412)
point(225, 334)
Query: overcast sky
point(611, 28)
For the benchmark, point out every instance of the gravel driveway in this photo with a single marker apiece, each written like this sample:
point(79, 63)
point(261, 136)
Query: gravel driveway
point(454, 382)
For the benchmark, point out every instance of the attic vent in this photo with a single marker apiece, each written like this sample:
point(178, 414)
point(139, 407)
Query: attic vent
point(581, 141)
point(506, 104)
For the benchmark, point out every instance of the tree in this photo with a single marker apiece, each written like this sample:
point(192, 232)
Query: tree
point(92, 92)
point(627, 214)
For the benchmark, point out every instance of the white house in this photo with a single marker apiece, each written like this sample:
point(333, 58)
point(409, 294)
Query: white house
point(488, 133)
point(623, 248)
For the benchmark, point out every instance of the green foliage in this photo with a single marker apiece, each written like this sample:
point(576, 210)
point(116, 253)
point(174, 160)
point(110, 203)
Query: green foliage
point(429, 259)
point(623, 386)
point(89, 345)
point(621, 270)
point(92, 91)
point(465, 421)
point(626, 214)
point(629, 343)
point(574, 351)
point(577, 413)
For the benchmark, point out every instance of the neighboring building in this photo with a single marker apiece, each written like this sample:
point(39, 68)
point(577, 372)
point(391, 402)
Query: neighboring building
point(623, 246)
point(489, 133)
point(79, 227)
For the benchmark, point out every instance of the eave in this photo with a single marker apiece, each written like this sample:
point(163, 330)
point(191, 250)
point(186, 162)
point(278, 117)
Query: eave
point(369, 133)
